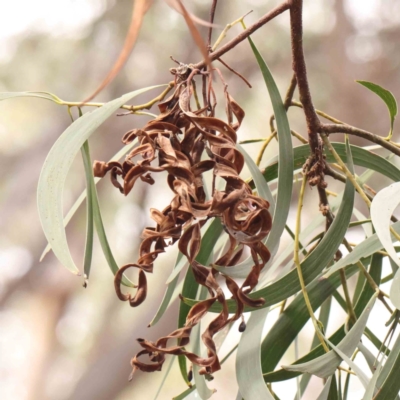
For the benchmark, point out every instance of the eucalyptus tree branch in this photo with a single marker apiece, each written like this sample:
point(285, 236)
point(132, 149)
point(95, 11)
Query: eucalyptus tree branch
point(300, 70)
point(351, 130)
point(245, 34)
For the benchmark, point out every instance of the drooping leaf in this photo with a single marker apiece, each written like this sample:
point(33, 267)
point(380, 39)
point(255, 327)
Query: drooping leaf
point(325, 391)
point(388, 382)
point(55, 170)
point(39, 95)
point(101, 233)
point(387, 97)
point(89, 211)
point(291, 321)
point(82, 196)
point(325, 365)
point(382, 208)
point(323, 318)
point(361, 157)
point(248, 367)
point(369, 246)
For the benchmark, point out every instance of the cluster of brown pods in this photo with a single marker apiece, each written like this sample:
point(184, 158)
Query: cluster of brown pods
point(185, 144)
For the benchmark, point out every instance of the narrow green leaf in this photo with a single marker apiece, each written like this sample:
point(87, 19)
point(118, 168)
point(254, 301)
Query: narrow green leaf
point(323, 318)
point(181, 262)
point(346, 358)
point(361, 157)
point(370, 390)
point(386, 381)
point(387, 97)
point(367, 247)
point(325, 391)
point(82, 196)
point(248, 367)
point(325, 365)
point(382, 208)
point(289, 324)
point(55, 170)
point(39, 95)
point(89, 211)
point(101, 234)
point(285, 155)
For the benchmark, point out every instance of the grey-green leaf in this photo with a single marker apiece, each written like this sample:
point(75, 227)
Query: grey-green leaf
point(82, 196)
point(248, 366)
point(382, 208)
point(87, 263)
point(55, 170)
point(325, 365)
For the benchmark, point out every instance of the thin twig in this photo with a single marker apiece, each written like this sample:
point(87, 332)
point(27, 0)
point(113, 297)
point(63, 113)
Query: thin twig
point(298, 265)
point(351, 130)
point(246, 33)
point(264, 147)
point(212, 15)
point(235, 72)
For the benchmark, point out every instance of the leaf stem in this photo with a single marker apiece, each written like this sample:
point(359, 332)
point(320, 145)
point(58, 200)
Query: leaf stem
point(133, 109)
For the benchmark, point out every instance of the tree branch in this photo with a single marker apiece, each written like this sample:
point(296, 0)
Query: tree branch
point(299, 68)
point(245, 34)
point(351, 130)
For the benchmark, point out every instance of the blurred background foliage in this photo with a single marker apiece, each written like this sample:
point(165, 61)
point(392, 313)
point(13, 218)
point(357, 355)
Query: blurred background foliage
point(59, 341)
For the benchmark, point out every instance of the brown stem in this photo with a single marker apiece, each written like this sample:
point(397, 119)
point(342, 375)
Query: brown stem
point(212, 14)
point(235, 72)
point(245, 34)
point(351, 130)
point(290, 92)
point(299, 68)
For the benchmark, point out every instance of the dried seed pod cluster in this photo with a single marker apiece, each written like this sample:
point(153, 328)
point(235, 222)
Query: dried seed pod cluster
point(186, 144)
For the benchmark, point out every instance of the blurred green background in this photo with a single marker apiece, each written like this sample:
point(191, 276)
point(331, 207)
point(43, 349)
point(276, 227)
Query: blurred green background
point(59, 341)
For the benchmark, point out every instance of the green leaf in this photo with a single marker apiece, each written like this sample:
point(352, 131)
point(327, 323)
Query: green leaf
point(285, 155)
point(388, 382)
point(326, 365)
point(292, 320)
point(262, 186)
point(39, 95)
point(361, 157)
point(387, 97)
point(248, 367)
point(181, 262)
point(382, 208)
point(323, 318)
point(325, 391)
point(55, 170)
point(367, 247)
point(89, 211)
point(101, 234)
point(82, 196)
